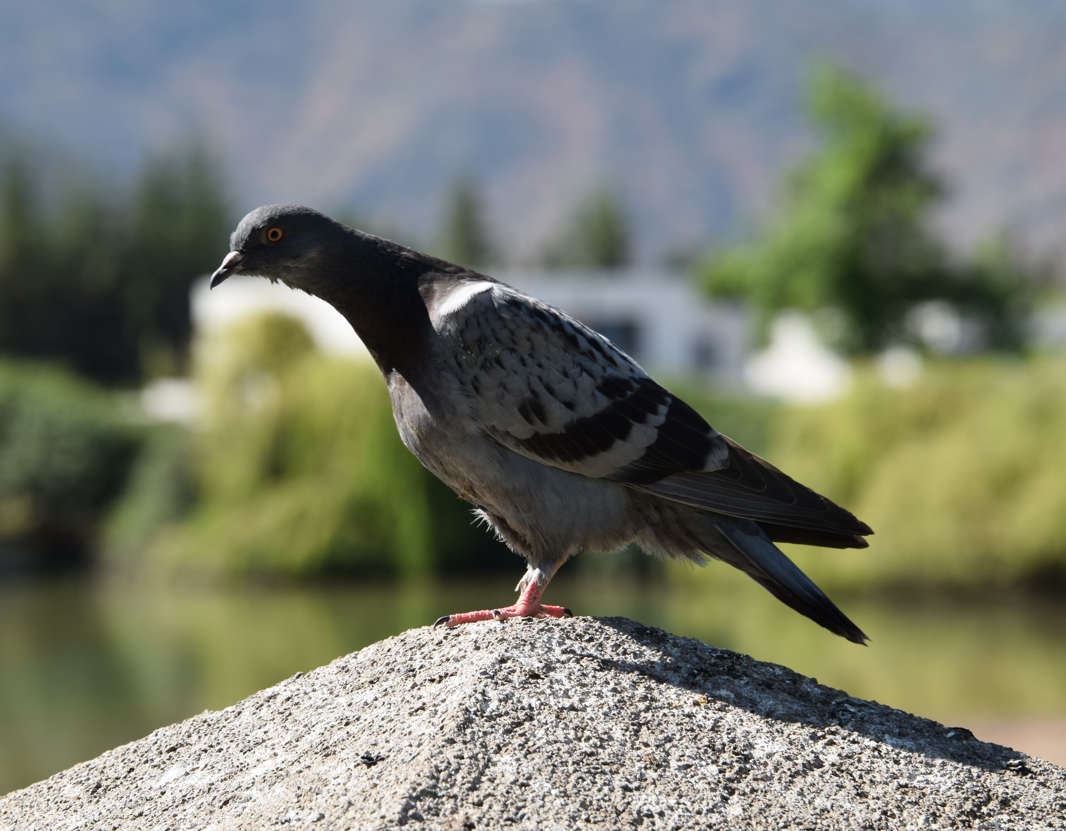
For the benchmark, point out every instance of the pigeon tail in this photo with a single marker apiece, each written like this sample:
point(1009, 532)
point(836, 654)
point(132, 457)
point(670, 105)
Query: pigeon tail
point(767, 565)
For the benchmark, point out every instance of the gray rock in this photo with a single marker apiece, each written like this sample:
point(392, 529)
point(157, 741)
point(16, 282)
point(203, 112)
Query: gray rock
point(549, 724)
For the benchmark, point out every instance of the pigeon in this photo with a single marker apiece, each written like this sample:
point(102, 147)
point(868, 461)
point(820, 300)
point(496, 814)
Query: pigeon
point(560, 440)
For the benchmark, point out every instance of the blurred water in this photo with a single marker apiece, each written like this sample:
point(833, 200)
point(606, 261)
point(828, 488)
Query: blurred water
point(86, 667)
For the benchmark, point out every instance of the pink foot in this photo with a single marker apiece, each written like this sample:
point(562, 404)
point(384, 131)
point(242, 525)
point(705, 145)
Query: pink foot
point(528, 605)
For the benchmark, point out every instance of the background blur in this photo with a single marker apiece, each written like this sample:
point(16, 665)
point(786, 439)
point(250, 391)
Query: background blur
point(832, 226)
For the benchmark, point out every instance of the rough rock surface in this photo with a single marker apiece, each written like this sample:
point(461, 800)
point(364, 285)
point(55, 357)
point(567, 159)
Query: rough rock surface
point(549, 724)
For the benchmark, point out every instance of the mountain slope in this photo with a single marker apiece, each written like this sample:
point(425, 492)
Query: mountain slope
point(691, 106)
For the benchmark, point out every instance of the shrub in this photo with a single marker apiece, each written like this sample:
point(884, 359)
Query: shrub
point(299, 470)
point(66, 449)
point(960, 475)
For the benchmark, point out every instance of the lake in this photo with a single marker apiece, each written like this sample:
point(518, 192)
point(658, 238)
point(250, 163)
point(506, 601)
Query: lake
point(87, 666)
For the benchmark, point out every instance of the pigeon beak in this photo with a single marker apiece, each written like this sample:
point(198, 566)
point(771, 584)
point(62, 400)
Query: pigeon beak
point(229, 267)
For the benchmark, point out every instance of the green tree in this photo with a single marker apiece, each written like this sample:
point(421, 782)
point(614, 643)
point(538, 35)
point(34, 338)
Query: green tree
point(853, 233)
point(177, 231)
point(465, 238)
point(99, 281)
point(21, 247)
point(597, 236)
point(59, 276)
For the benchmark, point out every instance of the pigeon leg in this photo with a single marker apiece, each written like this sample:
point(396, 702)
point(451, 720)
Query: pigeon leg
point(528, 605)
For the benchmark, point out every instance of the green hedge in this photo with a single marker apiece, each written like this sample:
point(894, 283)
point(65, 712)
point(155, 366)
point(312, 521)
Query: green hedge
point(66, 449)
point(962, 475)
point(298, 471)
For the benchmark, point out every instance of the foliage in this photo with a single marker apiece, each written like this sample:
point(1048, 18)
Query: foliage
point(597, 236)
point(101, 283)
point(299, 471)
point(161, 492)
point(65, 452)
point(960, 475)
point(176, 230)
point(465, 238)
point(853, 234)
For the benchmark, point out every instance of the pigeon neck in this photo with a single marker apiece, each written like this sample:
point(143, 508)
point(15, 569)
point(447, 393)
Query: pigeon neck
point(384, 307)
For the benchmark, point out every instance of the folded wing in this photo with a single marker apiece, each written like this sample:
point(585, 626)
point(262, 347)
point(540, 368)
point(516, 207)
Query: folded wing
point(546, 386)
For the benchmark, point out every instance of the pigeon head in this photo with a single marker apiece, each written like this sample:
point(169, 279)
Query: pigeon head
point(287, 243)
point(372, 282)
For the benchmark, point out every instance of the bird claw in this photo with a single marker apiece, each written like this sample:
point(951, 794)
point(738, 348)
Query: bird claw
point(501, 615)
point(528, 605)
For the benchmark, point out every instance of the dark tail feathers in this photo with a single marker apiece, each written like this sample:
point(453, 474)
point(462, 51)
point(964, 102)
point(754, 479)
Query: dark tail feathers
point(769, 567)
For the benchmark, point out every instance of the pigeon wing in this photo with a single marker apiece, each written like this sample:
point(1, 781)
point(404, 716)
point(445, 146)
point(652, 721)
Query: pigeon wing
point(544, 385)
point(752, 488)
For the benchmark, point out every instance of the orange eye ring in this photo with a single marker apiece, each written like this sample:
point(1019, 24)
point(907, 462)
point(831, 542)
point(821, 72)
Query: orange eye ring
point(274, 234)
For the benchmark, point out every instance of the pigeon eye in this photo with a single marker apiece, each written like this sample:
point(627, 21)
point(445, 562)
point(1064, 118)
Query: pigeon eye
point(274, 234)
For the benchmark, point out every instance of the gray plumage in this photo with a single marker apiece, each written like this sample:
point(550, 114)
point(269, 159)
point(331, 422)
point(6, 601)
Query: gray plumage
point(560, 439)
